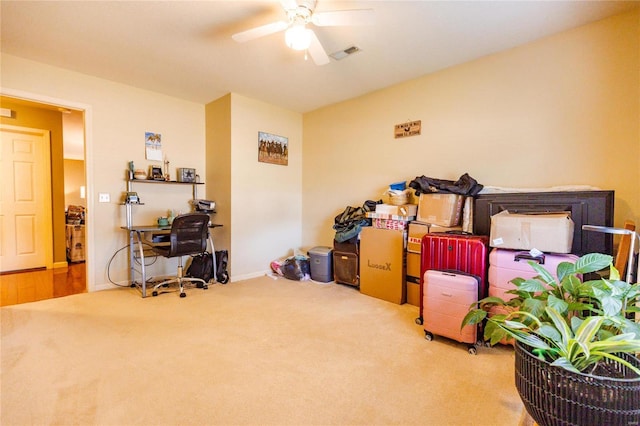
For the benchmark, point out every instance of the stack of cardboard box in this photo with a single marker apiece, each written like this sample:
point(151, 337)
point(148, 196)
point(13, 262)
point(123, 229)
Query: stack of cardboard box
point(389, 250)
point(382, 252)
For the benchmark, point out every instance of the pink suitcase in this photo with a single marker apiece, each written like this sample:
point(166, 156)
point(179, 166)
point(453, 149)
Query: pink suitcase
point(505, 265)
point(446, 251)
point(447, 297)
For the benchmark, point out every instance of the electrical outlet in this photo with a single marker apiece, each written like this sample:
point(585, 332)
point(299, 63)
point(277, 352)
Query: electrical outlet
point(103, 197)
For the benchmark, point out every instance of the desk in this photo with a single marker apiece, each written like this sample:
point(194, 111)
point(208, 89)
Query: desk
point(137, 233)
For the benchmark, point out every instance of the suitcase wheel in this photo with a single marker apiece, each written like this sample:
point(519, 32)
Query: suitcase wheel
point(419, 320)
point(427, 335)
point(472, 350)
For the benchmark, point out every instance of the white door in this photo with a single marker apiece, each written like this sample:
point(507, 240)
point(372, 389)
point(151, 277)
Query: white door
point(26, 239)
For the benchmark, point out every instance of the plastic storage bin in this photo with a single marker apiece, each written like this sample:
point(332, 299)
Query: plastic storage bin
point(320, 260)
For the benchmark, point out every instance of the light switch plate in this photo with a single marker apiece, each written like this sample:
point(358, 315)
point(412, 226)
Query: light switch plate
point(103, 197)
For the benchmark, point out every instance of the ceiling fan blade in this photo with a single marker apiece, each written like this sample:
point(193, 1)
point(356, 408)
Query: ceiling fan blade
point(343, 17)
point(261, 31)
point(317, 52)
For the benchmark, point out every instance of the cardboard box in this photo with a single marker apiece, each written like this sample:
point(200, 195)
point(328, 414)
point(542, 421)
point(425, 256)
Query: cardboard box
point(75, 253)
point(438, 228)
point(413, 293)
point(394, 224)
point(401, 210)
point(412, 278)
point(74, 235)
point(440, 209)
point(389, 221)
point(551, 233)
point(382, 268)
point(417, 230)
point(413, 266)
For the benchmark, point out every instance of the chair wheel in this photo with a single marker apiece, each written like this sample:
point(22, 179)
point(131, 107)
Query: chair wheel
point(154, 294)
point(183, 294)
point(205, 287)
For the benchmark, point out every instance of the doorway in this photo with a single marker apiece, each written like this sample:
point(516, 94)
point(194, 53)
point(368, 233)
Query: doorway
point(68, 183)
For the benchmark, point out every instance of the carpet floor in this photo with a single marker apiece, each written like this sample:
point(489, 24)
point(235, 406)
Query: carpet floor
point(262, 351)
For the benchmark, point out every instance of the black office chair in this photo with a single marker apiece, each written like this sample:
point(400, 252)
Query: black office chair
point(189, 235)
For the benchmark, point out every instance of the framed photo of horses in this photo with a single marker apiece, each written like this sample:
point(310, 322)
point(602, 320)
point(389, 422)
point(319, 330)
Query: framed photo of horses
point(273, 149)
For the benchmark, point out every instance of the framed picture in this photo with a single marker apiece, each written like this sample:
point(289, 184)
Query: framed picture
point(273, 149)
point(155, 173)
point(186, 174)
point(153, 146)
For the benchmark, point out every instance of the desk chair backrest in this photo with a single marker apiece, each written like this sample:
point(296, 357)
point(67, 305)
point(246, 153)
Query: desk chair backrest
point(189, 233)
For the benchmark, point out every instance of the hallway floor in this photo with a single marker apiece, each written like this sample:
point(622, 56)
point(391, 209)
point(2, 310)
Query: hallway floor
point(24, 287)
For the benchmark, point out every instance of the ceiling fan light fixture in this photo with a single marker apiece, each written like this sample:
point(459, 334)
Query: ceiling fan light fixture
point(298, 37)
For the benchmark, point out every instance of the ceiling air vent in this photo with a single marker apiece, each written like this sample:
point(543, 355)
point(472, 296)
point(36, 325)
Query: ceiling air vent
point(341, 54)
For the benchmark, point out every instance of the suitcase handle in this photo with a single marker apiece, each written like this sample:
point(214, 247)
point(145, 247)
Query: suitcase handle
point(526, 256)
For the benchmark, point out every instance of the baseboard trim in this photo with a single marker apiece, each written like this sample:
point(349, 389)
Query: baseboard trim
point(249, 276)
point(57, 265)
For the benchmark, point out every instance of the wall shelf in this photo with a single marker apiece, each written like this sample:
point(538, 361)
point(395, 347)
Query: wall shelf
point(164, 182)
point(131, 182)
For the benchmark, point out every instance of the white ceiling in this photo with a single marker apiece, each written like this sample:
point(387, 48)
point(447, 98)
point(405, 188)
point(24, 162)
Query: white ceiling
point(184, 48)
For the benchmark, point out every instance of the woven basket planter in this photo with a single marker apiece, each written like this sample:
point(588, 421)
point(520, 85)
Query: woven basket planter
point(555, 396)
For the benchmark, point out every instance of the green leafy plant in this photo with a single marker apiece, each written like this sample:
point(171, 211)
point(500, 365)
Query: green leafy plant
point(570, 322)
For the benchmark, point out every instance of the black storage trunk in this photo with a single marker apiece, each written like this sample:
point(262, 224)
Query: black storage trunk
point(345, 268)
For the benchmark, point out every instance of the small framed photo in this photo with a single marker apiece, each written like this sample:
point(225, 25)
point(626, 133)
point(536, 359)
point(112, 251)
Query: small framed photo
point(186, 174)
point(155, 173)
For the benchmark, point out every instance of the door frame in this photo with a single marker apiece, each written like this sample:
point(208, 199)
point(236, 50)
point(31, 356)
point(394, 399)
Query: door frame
point(88, 168)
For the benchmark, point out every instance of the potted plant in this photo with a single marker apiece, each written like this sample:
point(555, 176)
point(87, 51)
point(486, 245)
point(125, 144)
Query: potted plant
point(575, 342)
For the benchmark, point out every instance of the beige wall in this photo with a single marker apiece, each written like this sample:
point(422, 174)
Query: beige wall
point(117, 117)
point(266, 199)
point(259, 204)
point(73, 180)
point(218, 155)
point(560, 111)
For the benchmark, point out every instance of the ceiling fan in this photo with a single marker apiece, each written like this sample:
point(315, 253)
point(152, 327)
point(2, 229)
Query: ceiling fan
point(300, 14)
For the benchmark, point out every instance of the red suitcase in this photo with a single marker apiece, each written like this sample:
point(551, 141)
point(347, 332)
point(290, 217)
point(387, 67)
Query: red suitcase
point(446, 298)
point(505, 265)
point(454, 252)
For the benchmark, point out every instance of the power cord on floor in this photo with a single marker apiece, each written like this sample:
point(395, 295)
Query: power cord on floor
point(135, 258)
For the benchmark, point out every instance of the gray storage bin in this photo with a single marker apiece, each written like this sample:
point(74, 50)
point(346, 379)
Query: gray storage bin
point(321, 263)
